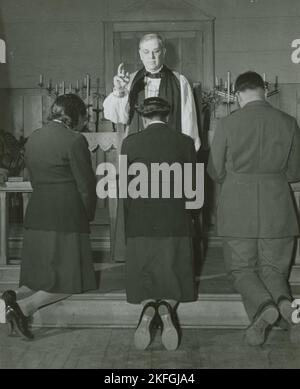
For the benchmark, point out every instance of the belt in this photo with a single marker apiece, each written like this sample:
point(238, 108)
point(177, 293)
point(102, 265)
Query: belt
point(51, 186)
point(256, 176)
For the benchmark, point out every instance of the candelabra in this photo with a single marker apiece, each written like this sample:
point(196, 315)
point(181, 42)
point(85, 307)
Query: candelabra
point(93, 101)
point(97, 106)
point(271, 89)
point(60, 87)
point(225, 91)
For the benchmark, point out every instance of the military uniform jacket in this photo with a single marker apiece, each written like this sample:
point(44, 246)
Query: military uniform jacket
point(254, 155)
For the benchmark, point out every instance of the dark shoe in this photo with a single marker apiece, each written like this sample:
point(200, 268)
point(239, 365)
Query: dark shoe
point(256, 332)
point(14, 315)
point(144, 331)
point(19, 321)
point(8, 298)
point(10, 328)
point(169, 335)
point(287, 311)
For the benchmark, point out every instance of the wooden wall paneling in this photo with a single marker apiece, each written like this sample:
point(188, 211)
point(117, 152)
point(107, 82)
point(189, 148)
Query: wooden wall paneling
point(3, 109)
point(128, 51)
point(33, 113)
point(109, 57)
point(117, 51)
point(199, 56)
point(174, 52)
point(192, 57)
point(287, 98)
point(47, 102)
point(208, 55)
point(17, 115)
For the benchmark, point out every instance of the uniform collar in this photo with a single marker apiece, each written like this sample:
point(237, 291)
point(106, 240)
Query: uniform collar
point(257, 103)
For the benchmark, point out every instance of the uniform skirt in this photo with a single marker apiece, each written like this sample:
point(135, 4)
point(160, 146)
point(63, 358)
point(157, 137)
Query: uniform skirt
point(57, 262)
point(160, 268)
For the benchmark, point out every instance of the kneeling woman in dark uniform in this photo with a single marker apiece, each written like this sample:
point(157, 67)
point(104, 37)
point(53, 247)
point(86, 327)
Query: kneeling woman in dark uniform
point(57, 260)
point(159, 252)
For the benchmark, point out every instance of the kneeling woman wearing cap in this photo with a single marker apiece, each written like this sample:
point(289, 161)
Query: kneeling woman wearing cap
point(159, 251)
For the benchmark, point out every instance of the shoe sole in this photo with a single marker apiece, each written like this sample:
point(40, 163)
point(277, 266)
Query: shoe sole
point(2, 312)
point(13, 326)
point(169, 336)
point(286, 311)
point(142, 336)
point(268, 317)
point(10, 328)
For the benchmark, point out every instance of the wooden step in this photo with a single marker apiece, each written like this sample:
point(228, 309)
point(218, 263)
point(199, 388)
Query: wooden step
point(98, 309)
point(112, 310)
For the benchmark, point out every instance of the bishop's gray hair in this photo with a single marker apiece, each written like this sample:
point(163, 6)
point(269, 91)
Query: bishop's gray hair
point(151, 36)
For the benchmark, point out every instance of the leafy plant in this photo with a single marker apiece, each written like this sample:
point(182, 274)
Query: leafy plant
point(210, 100)
point(12, 153)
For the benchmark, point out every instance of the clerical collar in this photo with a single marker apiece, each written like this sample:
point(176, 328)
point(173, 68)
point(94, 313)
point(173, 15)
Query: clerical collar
point(156, 74)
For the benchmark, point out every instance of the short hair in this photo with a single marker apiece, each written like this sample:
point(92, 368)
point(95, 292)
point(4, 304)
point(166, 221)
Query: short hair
point(151, 36)
point(154, 107)
point(68, 108)
point(249, 80)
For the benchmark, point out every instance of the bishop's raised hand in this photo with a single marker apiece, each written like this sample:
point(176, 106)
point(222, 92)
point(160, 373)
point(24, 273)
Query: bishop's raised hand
point(121, 80)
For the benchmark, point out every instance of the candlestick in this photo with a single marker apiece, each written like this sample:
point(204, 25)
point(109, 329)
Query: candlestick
point(70, 88)
point(41, 79)
point(217, 82)
point(56, 89)
point(229, 85)
point(264, 77)
point(63, 87)
point(87, 85)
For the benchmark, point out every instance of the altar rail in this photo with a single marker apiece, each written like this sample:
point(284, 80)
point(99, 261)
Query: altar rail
point(25, 189)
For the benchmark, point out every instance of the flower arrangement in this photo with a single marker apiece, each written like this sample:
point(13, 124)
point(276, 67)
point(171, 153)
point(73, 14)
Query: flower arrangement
point(11, 153)
point(210, 100)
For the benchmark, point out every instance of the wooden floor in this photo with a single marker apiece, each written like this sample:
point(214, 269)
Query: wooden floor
point(114, 348)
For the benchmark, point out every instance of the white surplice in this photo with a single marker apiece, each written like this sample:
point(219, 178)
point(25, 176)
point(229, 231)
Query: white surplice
point(116, 109)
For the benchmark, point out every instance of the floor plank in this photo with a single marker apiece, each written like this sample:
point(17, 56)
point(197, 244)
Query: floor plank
point(114, 348)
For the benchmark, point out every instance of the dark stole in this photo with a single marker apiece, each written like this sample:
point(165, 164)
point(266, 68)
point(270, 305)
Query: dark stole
point(169, 90)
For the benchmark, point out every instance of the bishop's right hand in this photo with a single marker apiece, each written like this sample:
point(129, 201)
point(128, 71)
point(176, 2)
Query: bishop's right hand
point(121, 80)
